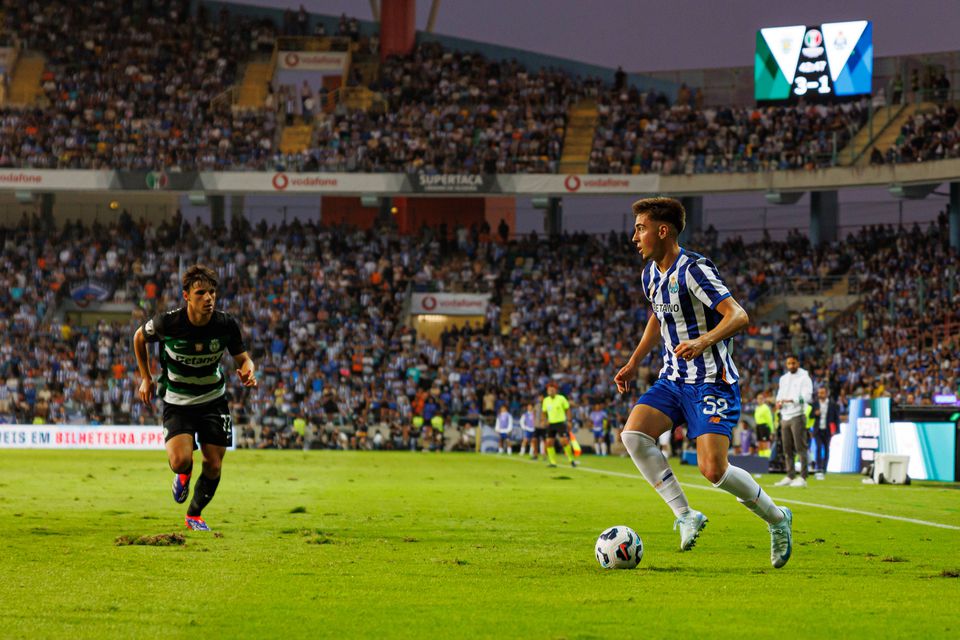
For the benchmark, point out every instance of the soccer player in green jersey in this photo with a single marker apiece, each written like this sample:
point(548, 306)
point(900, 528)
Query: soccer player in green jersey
point(192, 341)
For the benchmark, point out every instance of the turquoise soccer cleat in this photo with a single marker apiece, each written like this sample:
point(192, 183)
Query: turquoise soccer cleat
point(781, 539)
point(691, 524)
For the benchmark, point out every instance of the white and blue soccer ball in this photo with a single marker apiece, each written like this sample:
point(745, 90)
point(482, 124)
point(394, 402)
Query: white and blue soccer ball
point(619, 548)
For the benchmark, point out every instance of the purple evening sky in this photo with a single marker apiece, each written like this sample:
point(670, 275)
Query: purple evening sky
point(670, 34)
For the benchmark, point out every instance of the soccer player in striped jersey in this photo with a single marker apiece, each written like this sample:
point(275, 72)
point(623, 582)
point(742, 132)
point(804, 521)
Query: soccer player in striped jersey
point(696, 317)
point(192, 341)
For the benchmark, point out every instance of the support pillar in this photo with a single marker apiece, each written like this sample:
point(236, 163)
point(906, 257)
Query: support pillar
point(553, 217)
point(824, 217)
point(955, 216)
point(237, 206)
point(398, 30)
point(693, 205)
point(47, 201)
point(217, 212)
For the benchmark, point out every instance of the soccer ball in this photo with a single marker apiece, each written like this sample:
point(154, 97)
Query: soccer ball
point(619, 548)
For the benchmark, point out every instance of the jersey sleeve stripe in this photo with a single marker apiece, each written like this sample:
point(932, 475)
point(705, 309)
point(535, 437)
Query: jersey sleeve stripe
point(709, 282)
point(714, 304)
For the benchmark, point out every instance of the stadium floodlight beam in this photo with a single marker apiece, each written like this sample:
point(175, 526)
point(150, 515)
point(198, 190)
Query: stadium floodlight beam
point(911, 191)
point(783, 197)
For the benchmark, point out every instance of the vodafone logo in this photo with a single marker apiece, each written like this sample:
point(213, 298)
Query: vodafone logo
point(571, 183)
point(429, 303)
point(280, 181)
point(291, 59)
point(18, 177)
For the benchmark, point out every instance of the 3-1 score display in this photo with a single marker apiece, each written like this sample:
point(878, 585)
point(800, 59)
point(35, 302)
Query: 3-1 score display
point(815, 63)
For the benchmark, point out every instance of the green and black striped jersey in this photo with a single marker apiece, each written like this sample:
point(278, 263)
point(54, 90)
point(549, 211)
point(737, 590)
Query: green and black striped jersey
point(190, 355)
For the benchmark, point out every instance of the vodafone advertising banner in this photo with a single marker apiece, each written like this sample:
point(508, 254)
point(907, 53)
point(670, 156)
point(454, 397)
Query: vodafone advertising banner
point(449, 304)
point(333, 61)
point(579, 184)
point(60, 436)
point(282, 182)
point(54, 180)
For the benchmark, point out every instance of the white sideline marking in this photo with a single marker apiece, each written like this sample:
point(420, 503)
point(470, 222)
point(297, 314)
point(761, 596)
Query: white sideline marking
point(637, 476)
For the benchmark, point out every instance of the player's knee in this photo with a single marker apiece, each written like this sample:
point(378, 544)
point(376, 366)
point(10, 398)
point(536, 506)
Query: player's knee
point(180, 463)
point(211, 467)
point(711, 470)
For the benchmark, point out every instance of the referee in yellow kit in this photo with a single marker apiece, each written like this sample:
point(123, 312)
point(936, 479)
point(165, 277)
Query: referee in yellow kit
point(556, 411)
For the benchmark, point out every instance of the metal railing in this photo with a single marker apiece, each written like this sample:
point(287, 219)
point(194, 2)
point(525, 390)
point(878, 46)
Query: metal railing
point(877, 123)
point(812, 285)
point(314, 43)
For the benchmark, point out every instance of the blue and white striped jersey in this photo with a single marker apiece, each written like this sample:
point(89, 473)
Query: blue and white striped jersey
point(685, 299)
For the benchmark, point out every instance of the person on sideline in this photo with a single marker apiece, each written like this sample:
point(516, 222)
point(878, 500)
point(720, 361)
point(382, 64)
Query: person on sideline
point(793, 395)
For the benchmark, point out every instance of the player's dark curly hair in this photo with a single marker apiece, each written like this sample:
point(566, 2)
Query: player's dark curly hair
point(662, 209)
point(199, 273)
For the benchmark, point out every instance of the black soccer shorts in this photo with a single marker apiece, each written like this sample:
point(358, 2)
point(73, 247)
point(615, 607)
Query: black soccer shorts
point(210, 423)
point(557, 430)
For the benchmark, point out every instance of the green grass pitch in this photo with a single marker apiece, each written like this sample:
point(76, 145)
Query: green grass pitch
point(401, 545)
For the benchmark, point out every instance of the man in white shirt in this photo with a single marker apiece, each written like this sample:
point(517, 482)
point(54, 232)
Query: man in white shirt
point(793, 396)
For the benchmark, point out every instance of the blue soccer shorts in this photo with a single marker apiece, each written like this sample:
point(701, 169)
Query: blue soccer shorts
point(710, 407)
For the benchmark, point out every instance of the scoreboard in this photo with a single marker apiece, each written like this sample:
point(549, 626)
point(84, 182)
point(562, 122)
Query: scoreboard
point(816, 63)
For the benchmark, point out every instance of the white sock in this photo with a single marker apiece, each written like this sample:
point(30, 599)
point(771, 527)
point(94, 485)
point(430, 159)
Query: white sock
point(750, 494)
point(653, 466)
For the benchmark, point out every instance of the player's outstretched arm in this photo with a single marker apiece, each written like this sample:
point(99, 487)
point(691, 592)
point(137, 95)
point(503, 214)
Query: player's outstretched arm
point(246, 370)
point(734, 320)
point(145, 392)
point(651, 335)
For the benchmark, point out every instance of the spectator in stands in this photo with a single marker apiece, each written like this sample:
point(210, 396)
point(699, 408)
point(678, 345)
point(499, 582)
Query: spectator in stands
point(299, 286)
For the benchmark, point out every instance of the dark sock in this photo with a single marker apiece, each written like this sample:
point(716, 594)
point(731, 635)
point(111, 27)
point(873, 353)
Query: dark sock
point(202, 494)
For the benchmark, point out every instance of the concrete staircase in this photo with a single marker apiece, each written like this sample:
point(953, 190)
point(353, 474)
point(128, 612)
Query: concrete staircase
point(368, 70)
point(578, 140)
point(883, 132)
point(506, 308)
point(253, 88)
point(25, 83)
point(359, 98)
point(885, 138)
point(296, 138)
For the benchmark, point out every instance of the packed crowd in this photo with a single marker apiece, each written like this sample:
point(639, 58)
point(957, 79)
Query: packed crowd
point(928, 135)
point(902, 340)
point(643, 133)
point(143, 86)
point(452, 112)
point(323, 314)
point(134, 87)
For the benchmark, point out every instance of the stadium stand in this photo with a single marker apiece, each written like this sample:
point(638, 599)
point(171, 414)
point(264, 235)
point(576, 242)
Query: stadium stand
point(144, 87)
point(141, 88)
point(324, 312)
point(138, 90)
